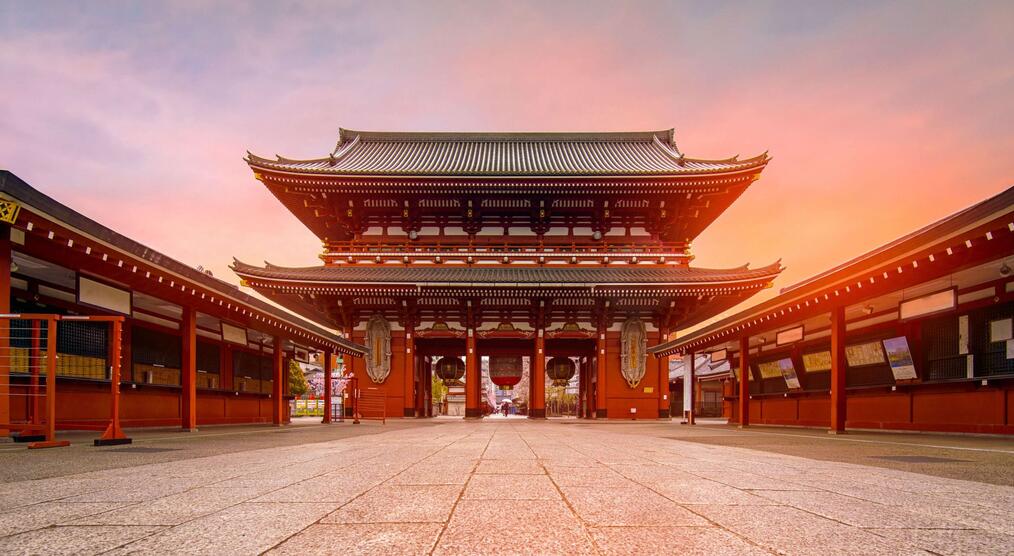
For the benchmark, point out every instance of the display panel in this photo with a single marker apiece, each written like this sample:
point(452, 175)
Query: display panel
point(861, 355)
point(718, 356)
point(770, 369)
point(817, 361)
point(900, 358)
point(788, 371)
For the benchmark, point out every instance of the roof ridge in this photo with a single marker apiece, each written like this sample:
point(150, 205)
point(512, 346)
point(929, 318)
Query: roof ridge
point(345, 135)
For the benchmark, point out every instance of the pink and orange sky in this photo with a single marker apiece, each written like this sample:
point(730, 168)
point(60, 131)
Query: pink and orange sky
point(881, 117)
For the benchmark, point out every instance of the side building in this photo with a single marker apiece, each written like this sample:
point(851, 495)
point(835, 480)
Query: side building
point(913, 335)
point(193, 349)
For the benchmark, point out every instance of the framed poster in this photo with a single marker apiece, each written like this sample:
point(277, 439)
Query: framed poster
point(719, 356)
point(788, 372)
point(861, 355)
point(770, 369)
point(1000, 330)
point(789, 336)
point(900, 358)
point(817, 361)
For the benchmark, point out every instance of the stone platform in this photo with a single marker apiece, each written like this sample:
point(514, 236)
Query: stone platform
point(509, 486)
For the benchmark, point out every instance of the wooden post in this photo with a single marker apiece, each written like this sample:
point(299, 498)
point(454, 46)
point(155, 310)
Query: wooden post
point(328, 370)
point(472, 407)
point(838, 367)
point(51, 441)
point(188, 392)
point(744, 381)
point(409, 370)
point(5, 329)
point(537, 403)
point(114, 434)
point(692, 377)
point(600, 376)
point(277, 388)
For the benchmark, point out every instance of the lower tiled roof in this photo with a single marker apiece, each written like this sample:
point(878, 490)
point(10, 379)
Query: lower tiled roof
point(479, 275)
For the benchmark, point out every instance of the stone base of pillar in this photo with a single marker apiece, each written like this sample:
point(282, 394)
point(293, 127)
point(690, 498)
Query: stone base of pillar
point(473, 413)
point(537, 413)
point(600, 414)
point(663, 414)
point(832, 431)
point(409, 412)
point(194, 429)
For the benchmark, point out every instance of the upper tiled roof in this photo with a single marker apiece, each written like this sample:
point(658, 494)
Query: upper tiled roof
point(480, 276)
point(507, 154)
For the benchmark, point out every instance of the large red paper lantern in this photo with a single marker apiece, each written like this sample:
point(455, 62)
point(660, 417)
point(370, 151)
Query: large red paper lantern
point(505, 372)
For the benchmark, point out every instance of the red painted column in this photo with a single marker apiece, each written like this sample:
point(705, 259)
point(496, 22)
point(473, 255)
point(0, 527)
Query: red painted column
point(744, 381)
point(328, 370)
point(663, 379)
point(409, 369)
point(691, 416)
point(5, 327)
point(188, 371)
point(838, 366)
point(537, 403)
point(472, 387)
point(277, 387)
point(600, 377)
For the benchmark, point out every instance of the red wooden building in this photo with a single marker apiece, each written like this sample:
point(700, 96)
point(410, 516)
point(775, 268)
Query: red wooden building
point(509, 245)
point(193, 349)
point(913, 335)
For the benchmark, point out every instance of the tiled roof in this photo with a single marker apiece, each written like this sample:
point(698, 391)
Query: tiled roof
point(507, 154)
point(476, 275)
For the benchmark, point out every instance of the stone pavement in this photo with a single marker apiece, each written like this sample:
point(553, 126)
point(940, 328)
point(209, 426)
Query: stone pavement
point(505, 487)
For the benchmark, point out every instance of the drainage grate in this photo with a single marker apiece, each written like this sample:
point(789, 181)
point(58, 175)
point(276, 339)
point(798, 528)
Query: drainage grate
point(141, 450)
point(920, 459)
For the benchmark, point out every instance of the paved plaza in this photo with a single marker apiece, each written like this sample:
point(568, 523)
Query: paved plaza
point(511, 486)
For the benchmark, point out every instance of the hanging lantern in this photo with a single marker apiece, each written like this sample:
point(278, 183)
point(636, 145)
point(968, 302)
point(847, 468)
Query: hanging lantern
point(505, 372)
point(450, 369)
point(560, 370)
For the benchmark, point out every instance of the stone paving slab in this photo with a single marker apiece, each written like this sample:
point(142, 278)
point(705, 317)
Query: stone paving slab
point(508, 487)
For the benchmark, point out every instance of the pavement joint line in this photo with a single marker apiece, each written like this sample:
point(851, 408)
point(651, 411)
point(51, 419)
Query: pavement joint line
point(454, 506)
point(577, 517)
point(712, 522)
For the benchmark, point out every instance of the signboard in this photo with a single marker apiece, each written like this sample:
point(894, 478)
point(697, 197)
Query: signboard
point(789, 336)
point(719, 356)
point(789, 372)
point(817, 361)
point(1000, 330)
point(861, 355)
point(928, 304)
point(900, 358)
point(97, 294)
point(233, 334)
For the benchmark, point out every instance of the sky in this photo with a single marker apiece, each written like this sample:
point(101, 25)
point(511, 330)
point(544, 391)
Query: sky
point(881, 117)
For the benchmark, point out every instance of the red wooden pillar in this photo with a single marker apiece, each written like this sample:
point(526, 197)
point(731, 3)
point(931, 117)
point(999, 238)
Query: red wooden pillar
point(472, 386)
point(838, 366)
point(537, 403)
point(744, 381)
point(600, 376)
point(5, 327)
point(328, 366)
point(692, 377)
point(663, 379)
point(188, 377)
point(277, 387)
point(409, 369)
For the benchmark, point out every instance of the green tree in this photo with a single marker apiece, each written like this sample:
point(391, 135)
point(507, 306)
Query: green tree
point(297, 381)
point(438, 388)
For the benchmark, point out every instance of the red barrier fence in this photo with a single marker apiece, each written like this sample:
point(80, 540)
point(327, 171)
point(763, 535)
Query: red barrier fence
point(28, 353)
point(367, 403)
